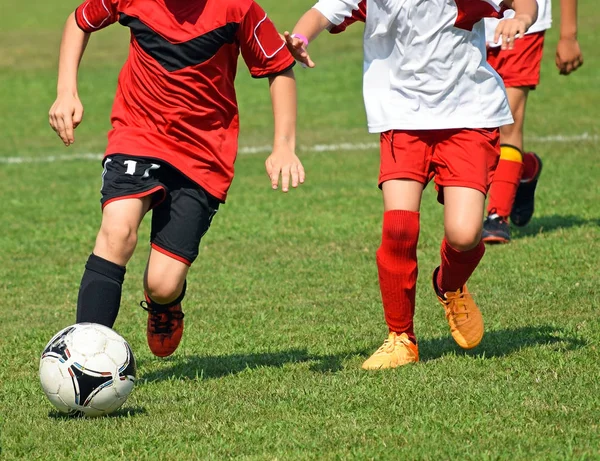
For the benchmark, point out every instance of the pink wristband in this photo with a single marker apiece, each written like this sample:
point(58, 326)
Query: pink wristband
point(301, 37)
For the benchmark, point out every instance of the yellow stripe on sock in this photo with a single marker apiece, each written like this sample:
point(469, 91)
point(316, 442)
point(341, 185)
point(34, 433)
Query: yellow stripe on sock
point(510, 153)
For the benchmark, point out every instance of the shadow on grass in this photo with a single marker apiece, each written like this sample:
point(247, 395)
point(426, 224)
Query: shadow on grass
point(551, 223)
point(500, 343)
point(497, 343)
point(124, 412)
point(209, 367)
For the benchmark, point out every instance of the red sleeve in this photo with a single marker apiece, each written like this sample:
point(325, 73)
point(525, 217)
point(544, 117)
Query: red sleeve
point(262, 47)
point(359, 15)
point(94, 15)
point(471, 12)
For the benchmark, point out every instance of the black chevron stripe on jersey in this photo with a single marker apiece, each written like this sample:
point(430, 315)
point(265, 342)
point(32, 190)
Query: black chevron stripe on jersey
point(176, 56)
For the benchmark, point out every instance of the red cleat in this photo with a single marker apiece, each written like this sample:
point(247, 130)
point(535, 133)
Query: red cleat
point(165, 327)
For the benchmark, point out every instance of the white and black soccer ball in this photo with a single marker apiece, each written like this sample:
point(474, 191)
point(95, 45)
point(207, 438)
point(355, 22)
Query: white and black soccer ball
point(87, 369)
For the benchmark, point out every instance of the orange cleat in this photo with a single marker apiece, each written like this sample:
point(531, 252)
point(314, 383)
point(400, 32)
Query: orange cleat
point(463, 316)
point(396, 350)
point(165, 327)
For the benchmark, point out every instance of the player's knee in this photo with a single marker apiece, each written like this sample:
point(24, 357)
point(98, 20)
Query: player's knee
point(119, 239)
point(405, 230)
point(163, 290)
point(463, 239)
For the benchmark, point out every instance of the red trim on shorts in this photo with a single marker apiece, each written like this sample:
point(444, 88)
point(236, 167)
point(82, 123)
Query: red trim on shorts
point(140, 195)
point(171, 255)
point(519, 67)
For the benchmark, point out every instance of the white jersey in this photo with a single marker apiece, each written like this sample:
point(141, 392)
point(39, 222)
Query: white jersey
point(543, 22)
point(425, 63)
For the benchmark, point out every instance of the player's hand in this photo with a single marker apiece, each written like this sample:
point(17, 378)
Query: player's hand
point(284, 163)
point(65, 115)
point(511, 29)
point(568, 55)
point(298, 50)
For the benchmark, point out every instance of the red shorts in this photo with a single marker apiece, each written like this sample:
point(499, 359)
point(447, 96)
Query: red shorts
point(462, 157)
point(521, 65)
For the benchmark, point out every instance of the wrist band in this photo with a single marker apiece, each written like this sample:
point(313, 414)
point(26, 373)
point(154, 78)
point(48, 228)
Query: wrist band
point(301, 37)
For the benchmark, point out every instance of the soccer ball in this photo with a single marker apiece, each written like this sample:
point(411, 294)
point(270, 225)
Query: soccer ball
point(87, 369)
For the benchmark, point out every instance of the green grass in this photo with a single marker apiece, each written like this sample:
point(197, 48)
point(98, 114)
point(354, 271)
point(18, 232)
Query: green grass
point(283, 304)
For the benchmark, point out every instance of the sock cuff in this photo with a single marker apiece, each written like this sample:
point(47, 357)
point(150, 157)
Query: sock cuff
point(105, 267)
point(469, 256)
point(511, 153)
point(397, 222)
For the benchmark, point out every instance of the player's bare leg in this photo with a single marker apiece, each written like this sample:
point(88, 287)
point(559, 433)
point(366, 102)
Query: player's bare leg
point(164, 286)
point(100, 290)
point(508, 173)
point(461, 251)
point(397, 267)
point(118, 234)
point(517, 100)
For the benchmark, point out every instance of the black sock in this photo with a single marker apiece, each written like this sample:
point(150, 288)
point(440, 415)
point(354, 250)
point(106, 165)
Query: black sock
point(100, 291)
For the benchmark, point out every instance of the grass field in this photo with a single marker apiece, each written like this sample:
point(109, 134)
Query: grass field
point(283, 304)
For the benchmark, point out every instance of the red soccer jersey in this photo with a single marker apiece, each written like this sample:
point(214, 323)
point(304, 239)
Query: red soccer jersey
point(175, 98)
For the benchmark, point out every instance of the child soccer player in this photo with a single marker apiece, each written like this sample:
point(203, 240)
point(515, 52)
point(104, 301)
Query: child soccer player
point(437, 104)
point(173, 141)
point(513, 187)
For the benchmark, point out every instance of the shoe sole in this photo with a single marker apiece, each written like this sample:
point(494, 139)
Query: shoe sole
point(494, 239)
point(469, 346)
point(390, 367)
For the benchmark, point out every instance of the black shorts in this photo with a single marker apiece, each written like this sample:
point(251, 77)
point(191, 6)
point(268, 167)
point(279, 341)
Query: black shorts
point(181, 210)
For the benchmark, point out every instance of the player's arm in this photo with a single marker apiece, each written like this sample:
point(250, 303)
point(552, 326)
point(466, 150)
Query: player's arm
point(67, 111)
point(266, 56)
point(283, 160)
point(325, 15)
point(508, 30)
point(308, 28)
point(568, 52)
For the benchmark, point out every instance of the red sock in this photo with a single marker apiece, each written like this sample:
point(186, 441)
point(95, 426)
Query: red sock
point(397, 265)
point(457, 266)
point(506, 181)
point(531, 167)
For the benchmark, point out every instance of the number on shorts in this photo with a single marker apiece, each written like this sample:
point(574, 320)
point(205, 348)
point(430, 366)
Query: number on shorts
point(131, 164)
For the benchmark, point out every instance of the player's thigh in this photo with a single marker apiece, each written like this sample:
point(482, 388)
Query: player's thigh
point(402, 194)
point(178, 225)
point(117, 237)
point(124, 216)
point(182, 219)
point(513, 134)
point(405, 158)
point(463, 216)
point(128, 192)
point(517, 100)
point(464, 164)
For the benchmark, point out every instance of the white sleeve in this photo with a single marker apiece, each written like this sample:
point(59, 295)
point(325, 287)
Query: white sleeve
point(336, 11)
